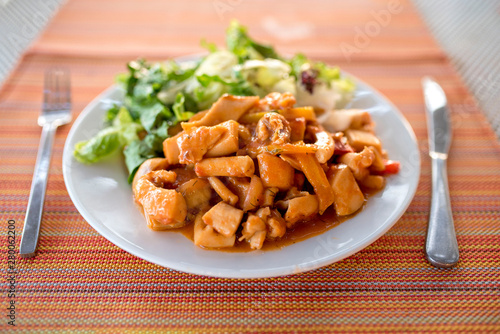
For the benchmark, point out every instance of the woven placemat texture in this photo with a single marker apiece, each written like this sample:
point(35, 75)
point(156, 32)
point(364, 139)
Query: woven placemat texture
point(81, 283)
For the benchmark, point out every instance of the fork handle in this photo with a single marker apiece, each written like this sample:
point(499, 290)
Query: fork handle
point(441, 245)
point(34, 211)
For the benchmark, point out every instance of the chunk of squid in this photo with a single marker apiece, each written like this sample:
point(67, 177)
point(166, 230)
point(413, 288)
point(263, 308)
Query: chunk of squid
point(171, 149)
point(228, 107)
point(275, 172)
point(269, 196)
point(301, 208)
point(359, 162)
point(206, 236)
point(228, 143)
point(224, 218)
point(359, 139)
point(298, 128)
point(197, 193)
point(220, 188)
point(348, 196)
point(317, 178)
point(276, 225)
point(375, 182)
point(255, 194)
point(195, 143)
point(239, 186)
point(237, 166)
point(163, 208)
point(378, 164)
point(341, 120)
point(326, 146)
point(263, 213)
point(254, 230)
point(191, 146)
point(148, 166)
point(273, 128)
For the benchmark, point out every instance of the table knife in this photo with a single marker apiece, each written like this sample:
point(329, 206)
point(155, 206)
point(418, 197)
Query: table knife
point(441, 246)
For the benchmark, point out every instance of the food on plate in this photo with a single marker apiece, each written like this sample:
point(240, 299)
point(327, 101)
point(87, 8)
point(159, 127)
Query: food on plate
point(158, 96)
point(249, 169)
point(240, 146)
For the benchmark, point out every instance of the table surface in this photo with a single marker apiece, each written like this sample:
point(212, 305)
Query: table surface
point(82, 282)
point(468, 32)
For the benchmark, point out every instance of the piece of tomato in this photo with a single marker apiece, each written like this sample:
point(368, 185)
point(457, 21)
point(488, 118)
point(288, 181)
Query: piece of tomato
point(391, 167)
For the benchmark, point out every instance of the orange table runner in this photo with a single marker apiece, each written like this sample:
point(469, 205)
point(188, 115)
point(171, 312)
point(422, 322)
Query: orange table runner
point(81, 282)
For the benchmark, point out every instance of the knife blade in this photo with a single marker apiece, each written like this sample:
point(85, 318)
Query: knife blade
point(441, 245)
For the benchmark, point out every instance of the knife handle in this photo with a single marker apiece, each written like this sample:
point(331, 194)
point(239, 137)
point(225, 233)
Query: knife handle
point(441, 245)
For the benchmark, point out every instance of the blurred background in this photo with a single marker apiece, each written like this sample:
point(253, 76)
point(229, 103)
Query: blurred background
point(467, 32)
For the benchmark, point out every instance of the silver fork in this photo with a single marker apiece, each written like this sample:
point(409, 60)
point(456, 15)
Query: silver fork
point(56, 111)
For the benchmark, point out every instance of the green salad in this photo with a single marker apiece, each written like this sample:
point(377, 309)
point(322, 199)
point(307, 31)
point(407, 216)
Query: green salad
point(160, 95)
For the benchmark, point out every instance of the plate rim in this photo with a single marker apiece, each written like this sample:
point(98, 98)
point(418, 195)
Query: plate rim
point(275, 272)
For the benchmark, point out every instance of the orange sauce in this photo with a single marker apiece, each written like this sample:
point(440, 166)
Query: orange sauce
point(301, 231)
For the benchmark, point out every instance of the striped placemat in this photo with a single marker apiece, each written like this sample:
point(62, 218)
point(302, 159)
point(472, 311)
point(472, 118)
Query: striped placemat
point(79, 282)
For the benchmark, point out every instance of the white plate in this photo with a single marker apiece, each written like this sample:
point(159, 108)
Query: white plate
point(104, 198)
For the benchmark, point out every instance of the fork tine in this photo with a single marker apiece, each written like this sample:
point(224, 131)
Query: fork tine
point(65, 87)
point(56, 78)
point(46, 88)
point(57, 89)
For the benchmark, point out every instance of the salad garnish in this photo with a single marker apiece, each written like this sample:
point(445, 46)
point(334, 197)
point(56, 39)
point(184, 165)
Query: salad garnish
point(158, 96)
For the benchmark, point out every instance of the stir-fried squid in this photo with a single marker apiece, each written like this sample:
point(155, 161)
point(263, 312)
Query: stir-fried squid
point(248, 169)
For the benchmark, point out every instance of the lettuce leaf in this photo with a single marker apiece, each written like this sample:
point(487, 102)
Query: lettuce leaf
point(151, 146)
point(237, 87)
point(178, 108)
point(266, 76)
point(160, 95)
point(135, 154)
point(153, 115)
point(109, 140)
point(344, 88)
point(244, 47)
point(103, 144)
